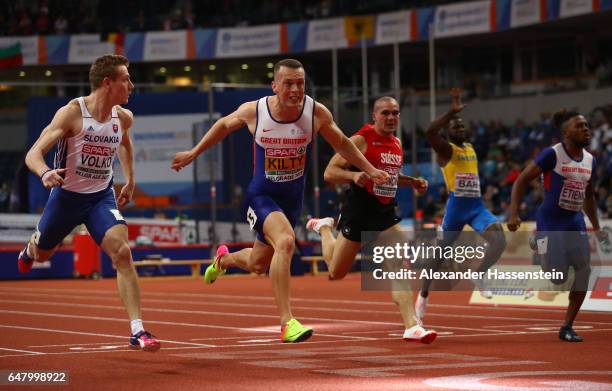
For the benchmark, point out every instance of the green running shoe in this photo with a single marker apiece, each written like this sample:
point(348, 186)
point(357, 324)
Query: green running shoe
point(214, 271)
point(293, 331)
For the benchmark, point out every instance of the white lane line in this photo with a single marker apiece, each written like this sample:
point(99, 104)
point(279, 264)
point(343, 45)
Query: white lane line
point(246, 315)
point(22, 351)
point(149, 321)
point(93, 334)
point(225, 305)
point(232, 314)
point(200, 296)
point(69, 344)
point(278, 344)
point(235, 298)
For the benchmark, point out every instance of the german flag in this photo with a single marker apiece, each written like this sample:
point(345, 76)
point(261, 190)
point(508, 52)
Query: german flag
point(11, 56)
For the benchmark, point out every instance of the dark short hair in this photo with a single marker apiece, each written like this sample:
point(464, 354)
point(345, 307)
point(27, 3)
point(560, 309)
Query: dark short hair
point(105, 66)
point(289, 63)
point(563, 115)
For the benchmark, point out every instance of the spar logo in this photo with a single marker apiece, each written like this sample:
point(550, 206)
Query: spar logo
point(285, 152)
point(97, 150)
point(160, 233)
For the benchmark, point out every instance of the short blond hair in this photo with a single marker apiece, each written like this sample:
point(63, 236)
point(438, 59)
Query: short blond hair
point(105, 66)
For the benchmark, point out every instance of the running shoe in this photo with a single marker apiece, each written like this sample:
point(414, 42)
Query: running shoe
point(145, 341)
point(24, 262)
point(214, 270)
point(293, 331)
point(567, 333)
point(419, 334)
point(420, 306)
point(484, 291)
point(316, 224)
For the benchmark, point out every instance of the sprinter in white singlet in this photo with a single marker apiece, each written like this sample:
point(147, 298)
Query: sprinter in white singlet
point(274, 197)
point(89, 132)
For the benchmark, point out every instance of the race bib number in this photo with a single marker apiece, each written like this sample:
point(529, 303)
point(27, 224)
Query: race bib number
point(572, 195)
point(284, 164)
point(467, 185)
point(251, 218)
point(389, 188)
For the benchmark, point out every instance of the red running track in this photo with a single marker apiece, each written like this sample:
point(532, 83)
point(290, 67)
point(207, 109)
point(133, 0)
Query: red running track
point(225, 337)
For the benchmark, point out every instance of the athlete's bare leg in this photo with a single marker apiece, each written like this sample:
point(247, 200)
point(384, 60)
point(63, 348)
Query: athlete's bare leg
point(115, 245)
point(254, 260)
point(339, 253)
point(401, 291)
point(496, 241)
point(36, 253)
point(279, 233)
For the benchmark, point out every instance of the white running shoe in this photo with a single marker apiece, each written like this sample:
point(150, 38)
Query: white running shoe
point(482, 287)
point(418, 334)
point(420, 306)
point(316, 224)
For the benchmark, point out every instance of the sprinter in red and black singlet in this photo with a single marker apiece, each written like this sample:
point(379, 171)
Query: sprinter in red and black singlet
point(370, 206)
point(282, 126)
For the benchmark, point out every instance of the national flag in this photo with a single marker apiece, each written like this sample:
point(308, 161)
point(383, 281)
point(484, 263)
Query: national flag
point(11, 56)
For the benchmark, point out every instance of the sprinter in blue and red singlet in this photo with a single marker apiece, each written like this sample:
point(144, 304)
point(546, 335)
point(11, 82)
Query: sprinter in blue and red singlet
point(567, 169)
point(89, 133)
point(283, 126)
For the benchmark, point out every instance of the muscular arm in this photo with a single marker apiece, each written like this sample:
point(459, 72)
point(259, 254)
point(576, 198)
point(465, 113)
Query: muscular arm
point(518, 190)
point(62, 125)
point(419, 184)
point(342, 144)
point(337, 170)
point(443, 149)
point(126, 148)
point(590, 206)
point(126, 157)
point(224, 126)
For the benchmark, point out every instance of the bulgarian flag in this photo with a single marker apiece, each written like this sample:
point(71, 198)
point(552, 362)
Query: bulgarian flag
point(10, 56)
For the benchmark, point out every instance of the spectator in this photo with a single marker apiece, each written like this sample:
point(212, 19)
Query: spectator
point(61, 24)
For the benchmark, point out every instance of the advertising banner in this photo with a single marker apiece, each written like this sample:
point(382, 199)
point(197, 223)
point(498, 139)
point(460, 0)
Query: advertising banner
point(393, 27)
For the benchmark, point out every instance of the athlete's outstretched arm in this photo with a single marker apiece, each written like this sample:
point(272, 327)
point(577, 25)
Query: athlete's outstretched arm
point(438, 143)
point(245, 114)
point(126, 157)
point(62, 125)
point(343, 145)
point(418, 184)
point(530, 172)
point(337, 170)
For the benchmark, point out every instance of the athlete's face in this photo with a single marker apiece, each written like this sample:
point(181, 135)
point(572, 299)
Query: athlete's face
point(288, 85)
point(386, 116)
point(121, 86)
point(456, 131)
point(577, 131)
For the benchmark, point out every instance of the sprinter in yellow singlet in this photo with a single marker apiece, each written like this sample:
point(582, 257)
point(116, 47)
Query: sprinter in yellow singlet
point(459, 165)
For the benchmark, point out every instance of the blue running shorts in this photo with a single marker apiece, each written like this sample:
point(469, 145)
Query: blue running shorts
point(66, 209)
